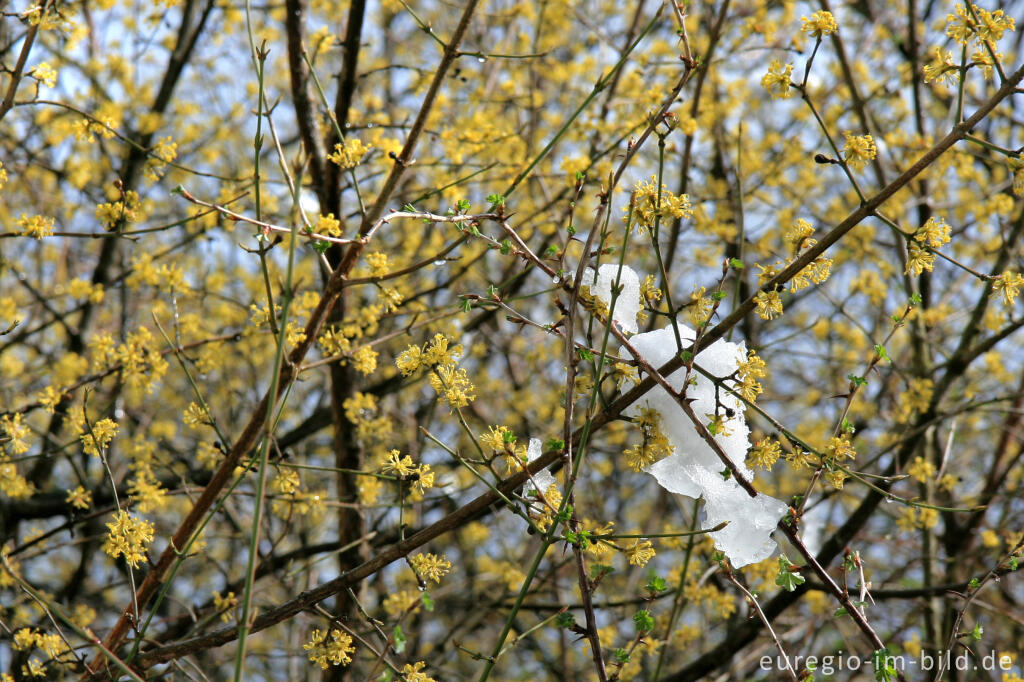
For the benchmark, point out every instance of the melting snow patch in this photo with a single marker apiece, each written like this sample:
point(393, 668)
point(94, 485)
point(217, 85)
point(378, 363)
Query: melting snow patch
point(627, 305)
point(694, 469)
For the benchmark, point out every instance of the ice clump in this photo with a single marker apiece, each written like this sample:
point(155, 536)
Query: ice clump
point(543, 479)
point(693, 469)
point(627, 305)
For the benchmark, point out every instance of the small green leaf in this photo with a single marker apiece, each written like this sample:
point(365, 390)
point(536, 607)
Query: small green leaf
point(788, 579)
point(656, 585)
point(719, 296)
point(643, 620)
point(427, 601)
point(554, 444)
point(621, 656)
point(506, 247)
point(565, 620)
point(856, 380)
point(736, 263)
point(881, 353)
point(571, 230)
point(399, 638)
point(977, 632)
point(974, 583)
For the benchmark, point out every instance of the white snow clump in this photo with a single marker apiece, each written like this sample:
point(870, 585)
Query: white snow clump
point(543, 479)
point(693, 469)
point(627, 305)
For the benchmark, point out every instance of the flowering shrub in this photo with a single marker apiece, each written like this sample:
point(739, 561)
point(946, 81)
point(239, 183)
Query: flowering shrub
point(434, 341)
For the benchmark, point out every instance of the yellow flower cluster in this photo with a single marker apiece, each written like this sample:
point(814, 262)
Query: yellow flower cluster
point(919, 260)
point(163, 153)
point(655, 445)
point(420, 475)
point(328, 225)
point(819, 24)
point(858, 150)
point(195, 416)
point(349, 154)
point(765, 453)
point(79, 498)
point(411, 672)
point(777, 80)
point(17, 432)
point(327, 649)
point(839, 448)
point(225, 604)
point(450, 381)
point(941, 68)
point(699, 311)
point(817, 272)
point(1008, 286)
point(430, 566)
point(128, 537)
point(12, 484)
point(921, 469)
point(769, 304)
point(647, 209)
point(987, 28)
point(45, 74)
point(37, 226)
point(640, 552)
point(935, 232)
point(126, 210)
point(749, 371)
point(98, 436)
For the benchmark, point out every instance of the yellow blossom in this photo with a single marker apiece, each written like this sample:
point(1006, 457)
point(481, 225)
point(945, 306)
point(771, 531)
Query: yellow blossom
point(1008, 286)
point(941, 68)
point(640, 552)
point(225, 604)
point(919, 260)
point(835, 478)
point(364, 360)
point(858, 150)
point(17, 433)
point(769, 305)
point(349, 154)
point(328, 225)
point(98, 436)
point(35, 226)
point(195, 416)
point(45, 74)
point(128, 537)
point(411, 672)
point(819, 24)
point(430, 566)
point(839, 448)
point(80, 498)
point(397, 464)
point(326, 649)
point(765, 453)
point(935, 232)
point(777, 80)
